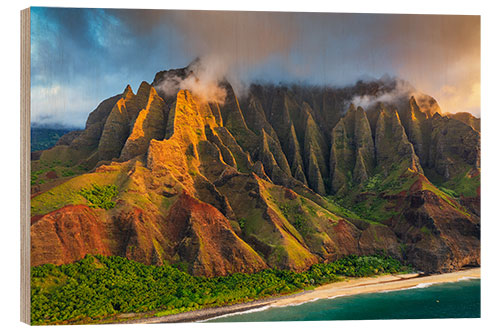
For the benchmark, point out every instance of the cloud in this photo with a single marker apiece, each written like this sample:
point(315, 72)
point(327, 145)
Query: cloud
point(398, 90)
point(203, 80)
point(56, 104)
point(229, 45)
point(109, 48)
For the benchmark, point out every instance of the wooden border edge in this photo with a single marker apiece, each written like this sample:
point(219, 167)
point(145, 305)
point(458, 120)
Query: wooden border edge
point(25, 165)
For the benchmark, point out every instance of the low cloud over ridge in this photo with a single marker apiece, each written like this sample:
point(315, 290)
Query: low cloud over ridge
point(439, 55)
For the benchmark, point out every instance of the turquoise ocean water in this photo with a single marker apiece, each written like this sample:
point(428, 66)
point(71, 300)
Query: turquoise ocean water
point(447, 300)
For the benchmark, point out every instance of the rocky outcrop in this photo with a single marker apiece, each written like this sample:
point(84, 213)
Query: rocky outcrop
point(439, 236)
point(314, 176)
point(279, 115)
point(115, 132)
point(415, 121)
point(149, 124)
point(272, 154)
point(204, 240)
point(256, 118)
point(393, 150)
point(352, 154)
point(89, 138)
point(295, 156)
point(68, 138)
point(454, 147)
point(467, 118)
point(316, 152)
point(66, 235)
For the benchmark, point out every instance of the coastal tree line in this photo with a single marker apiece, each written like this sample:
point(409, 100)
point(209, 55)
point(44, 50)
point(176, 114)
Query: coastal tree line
point(99, 287)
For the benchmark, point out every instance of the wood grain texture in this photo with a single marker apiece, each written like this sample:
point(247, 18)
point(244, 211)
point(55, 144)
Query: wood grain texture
point(25, 164)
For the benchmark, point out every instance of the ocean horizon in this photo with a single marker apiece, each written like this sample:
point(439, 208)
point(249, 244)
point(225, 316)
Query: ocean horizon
point(460, 299)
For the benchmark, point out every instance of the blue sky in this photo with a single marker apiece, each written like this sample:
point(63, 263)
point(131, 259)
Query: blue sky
point(82, 56)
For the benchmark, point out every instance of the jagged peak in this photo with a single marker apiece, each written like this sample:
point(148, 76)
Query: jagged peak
point(153, 92)
point(380, 107)
point(279, 113)
point(264, 134)
point(230, 110)
point(315, 179)
point(293, 136)
point(382, 114)
point(414, 108)
point(428, 105)
point(153, 95)
point(361, 120)
point(255, 103)
point(388, 113)
point(436, 116)
point(294, 153)
point(395, 116)
point(313, 134)
point(351, 109)
point(144, 89)
point(127, 93)
point(273, 147)
point(359, 109)
point(339, 129)
point(264, 140)
point(416, 112)
point(311, 124)
point(306, 108)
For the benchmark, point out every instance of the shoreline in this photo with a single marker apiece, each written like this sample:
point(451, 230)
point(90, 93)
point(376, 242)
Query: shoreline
point(349, 287)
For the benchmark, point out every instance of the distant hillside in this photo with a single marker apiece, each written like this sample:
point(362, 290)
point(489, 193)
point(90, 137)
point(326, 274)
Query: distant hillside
point(45, 138)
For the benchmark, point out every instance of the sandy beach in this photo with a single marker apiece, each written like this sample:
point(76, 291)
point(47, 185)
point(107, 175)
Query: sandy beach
point(377, 284)
point(352, 286)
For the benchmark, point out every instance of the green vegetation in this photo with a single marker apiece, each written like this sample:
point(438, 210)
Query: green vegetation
point(100, 196)
point(67, 173)
point(373, 183)
point(294, 214)
point(241, 222)
point(336, 206)
point(399, 179)
point(467, 183)
point(98, 287)
point(448, 192)
point(464, 184)
point(68, 192)
point(40, 168)
point(369, 202)
point(425, 230)
point(35, 177)
point(373, 209)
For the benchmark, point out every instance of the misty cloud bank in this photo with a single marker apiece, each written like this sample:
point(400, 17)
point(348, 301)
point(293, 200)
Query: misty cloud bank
point(401, 90)
point(203, 80)
point(95, 53)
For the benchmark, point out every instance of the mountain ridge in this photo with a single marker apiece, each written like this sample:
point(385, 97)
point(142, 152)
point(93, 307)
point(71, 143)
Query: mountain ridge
point(284, 177)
